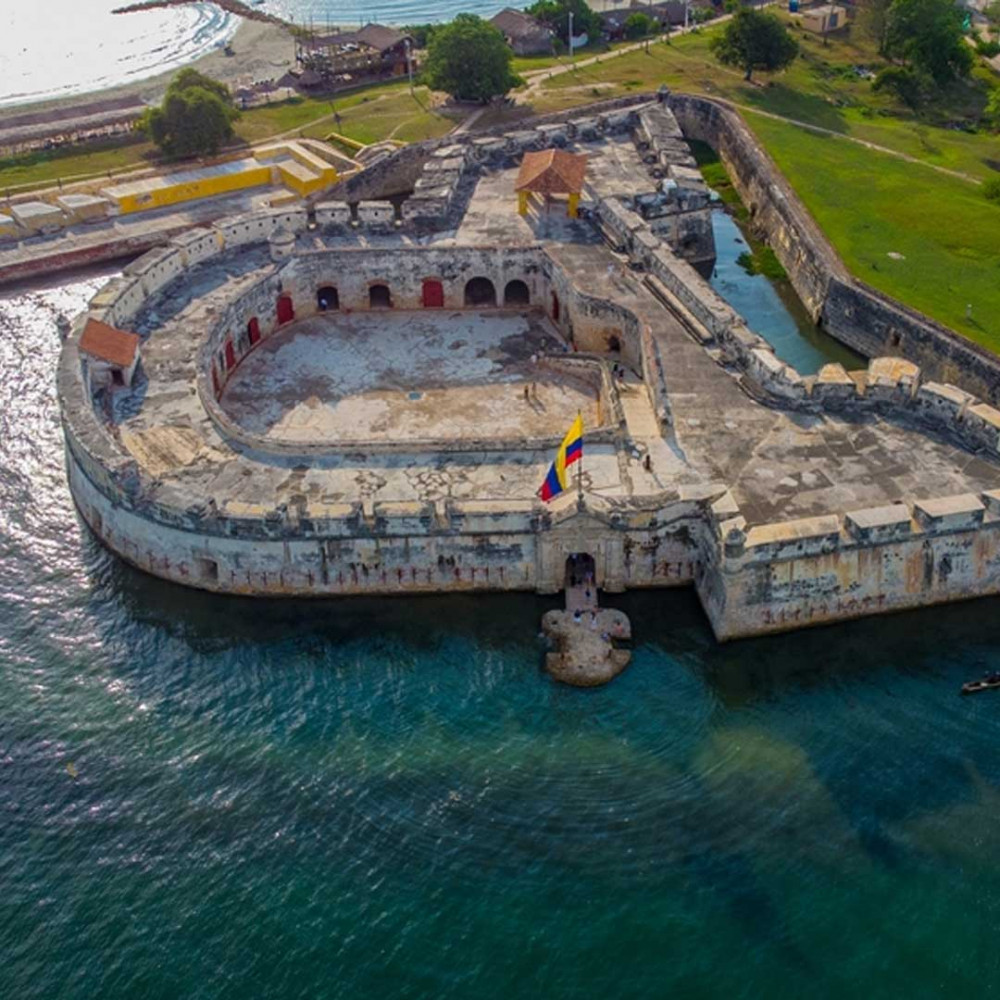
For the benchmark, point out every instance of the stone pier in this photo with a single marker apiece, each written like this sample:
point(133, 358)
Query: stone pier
point(585, 636)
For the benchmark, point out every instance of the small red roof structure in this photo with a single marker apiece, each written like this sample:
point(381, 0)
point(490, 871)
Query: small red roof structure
point(116, 347)
point(551, 171)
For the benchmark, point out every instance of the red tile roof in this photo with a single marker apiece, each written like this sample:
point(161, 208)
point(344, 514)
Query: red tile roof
point(552, 171)
point(105, 343)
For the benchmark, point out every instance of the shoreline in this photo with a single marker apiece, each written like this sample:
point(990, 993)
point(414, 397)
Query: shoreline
point(262, 51)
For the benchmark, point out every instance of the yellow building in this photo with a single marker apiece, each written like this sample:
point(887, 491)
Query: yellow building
point(187, 185)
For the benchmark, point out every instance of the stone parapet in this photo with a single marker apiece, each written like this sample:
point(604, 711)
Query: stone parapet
point(823, 569)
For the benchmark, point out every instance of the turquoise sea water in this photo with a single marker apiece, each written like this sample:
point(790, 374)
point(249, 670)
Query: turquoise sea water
point(217, 798)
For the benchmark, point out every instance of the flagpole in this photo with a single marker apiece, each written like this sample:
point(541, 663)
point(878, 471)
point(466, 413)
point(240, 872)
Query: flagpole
point(579, 474)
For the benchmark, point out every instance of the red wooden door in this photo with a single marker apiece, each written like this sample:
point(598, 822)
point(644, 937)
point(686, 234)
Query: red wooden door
point(253, 329)
point(433, 294)
point(286, 312)
point(230, 355)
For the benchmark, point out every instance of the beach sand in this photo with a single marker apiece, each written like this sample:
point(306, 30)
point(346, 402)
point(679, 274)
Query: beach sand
point(261, 52)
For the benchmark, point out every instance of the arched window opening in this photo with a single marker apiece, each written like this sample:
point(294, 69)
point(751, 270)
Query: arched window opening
point(555, 307)
point(253, 331)
point(327, 298)
point(516, 294)
point(614, 344)
point(480, 292)
point(379, 297)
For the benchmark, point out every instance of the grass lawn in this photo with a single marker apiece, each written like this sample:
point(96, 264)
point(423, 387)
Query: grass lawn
point(46, 167)
point(396, 115)
point(870, 204)
point(525, 64)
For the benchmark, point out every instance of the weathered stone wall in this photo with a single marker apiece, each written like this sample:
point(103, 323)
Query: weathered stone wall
point(778, 577)
point(393, 548)
point(849, 310)
point(873, 324)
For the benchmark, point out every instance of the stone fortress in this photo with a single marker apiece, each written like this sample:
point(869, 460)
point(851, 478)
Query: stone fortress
point(362, 396)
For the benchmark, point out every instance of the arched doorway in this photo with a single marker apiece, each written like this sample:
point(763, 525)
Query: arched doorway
point(480, 292)
point(286, 311)
point(327, 298)
point(253, 330)
point(614, 344)
point(555, 307)
point(379, 297)
point(516, 294)
point(580, 569)
point(433, 294)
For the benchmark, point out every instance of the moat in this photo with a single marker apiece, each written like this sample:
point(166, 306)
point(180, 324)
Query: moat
point(216, 797)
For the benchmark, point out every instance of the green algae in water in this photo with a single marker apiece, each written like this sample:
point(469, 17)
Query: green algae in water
point(761, 259)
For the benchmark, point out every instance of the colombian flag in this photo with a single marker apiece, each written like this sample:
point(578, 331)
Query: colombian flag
point(570, 451)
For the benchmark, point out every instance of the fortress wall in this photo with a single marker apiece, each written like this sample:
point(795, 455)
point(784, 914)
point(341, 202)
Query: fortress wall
point(872, 323)
point(394, 174)
point(848, 309)
point(778, 577)
point(392, 548)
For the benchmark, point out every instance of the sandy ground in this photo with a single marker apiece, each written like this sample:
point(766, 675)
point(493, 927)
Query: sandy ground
point(406, 375)
point(262, 52)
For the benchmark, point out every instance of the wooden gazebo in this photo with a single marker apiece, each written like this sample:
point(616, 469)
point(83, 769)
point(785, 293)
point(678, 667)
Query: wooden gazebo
point(551, 172)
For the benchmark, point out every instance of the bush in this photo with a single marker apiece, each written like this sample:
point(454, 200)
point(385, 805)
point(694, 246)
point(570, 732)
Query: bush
point(991, 190)
point(907, 85)
point(640, 25)
point(987, 48)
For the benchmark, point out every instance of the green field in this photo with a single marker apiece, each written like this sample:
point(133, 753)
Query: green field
point(47, 167)
point(871, 205)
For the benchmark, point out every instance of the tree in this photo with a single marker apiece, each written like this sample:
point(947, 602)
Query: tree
point(754, 39)
point(909, 85)
point(640, 25)
point(555, 15)
point(469, 59)
point(873, 20)
point(195, 119)
point(928, 35)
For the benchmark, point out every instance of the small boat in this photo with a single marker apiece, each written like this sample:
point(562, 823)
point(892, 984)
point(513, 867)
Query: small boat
point(987, 683)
